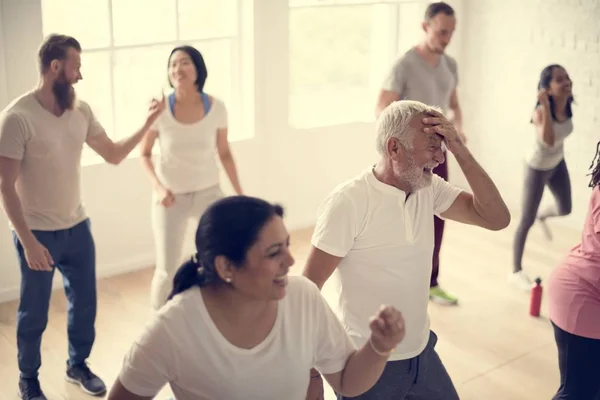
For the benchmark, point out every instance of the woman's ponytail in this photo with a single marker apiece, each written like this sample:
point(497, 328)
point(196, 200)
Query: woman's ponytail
point(191, 273)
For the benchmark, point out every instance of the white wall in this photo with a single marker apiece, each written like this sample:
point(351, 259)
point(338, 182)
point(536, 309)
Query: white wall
point(506, 45)
point(295, 168)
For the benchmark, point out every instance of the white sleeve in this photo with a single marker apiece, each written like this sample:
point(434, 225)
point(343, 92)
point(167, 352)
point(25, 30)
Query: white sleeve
point(444, 194)
point(148, 365)
point(333, 344)
point(336, 226)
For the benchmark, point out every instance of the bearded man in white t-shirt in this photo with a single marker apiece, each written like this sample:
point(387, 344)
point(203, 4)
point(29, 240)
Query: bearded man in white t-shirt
point(374, 238)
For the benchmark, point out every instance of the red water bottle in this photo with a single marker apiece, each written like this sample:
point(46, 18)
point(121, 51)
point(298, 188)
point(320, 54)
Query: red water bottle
point(535, 302)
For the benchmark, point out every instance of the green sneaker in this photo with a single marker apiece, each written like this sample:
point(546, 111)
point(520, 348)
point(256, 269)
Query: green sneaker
point(440, 296)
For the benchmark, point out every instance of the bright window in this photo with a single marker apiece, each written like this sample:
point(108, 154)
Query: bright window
point(124, 64)
point(339, 51)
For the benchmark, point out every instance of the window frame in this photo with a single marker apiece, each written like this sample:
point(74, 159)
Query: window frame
point(237, 112)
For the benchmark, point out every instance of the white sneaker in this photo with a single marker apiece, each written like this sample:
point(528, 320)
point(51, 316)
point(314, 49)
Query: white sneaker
point(520, 280)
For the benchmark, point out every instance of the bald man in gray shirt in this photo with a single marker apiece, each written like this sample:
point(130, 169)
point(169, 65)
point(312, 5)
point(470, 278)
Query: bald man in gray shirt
point(426, 74)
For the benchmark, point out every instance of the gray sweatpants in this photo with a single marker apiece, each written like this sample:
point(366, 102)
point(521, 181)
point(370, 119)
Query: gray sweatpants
point(420, 378)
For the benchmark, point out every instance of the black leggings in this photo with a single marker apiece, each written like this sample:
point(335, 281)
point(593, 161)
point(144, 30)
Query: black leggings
point(579, 365)
point(559, 184)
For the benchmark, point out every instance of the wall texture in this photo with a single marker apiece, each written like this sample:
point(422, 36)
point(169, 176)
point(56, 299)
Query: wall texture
point(505, 46)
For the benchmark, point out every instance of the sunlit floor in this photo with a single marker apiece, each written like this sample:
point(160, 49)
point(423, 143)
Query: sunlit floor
point(491, 347)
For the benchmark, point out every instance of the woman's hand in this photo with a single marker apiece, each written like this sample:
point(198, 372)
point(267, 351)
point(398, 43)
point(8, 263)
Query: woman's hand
point(165, 197)
point(544, 98)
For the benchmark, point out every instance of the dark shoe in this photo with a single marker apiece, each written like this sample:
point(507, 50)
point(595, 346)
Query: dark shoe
point(29, 389)
point(82, 376)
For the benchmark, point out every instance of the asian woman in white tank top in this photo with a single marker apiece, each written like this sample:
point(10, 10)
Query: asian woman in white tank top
point(545, 162)
point(185, 177)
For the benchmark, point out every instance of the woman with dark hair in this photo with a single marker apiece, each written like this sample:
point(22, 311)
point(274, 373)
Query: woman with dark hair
point(186, 177)
point(237, 327)
point(546, 165)
point(574, 306)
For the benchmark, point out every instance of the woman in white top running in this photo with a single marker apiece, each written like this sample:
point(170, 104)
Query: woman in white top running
point(186, 176)
point(546, 165)
point(237, 327)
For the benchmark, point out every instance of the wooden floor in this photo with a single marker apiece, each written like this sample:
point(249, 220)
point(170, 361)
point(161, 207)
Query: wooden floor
point(489, 344)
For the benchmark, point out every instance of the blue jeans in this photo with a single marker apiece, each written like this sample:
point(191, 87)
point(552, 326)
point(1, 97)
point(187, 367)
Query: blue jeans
point(74, 255)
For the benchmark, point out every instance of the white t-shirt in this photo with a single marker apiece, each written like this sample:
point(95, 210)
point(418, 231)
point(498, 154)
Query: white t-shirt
point(386, 244)
point(182, 346)
point(49, 148)
point(187, 161)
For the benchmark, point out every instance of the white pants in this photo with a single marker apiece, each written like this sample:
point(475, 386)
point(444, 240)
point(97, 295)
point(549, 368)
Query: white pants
point(170, 225)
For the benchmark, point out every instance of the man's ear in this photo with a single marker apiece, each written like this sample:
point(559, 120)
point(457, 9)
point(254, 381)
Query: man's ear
point(395, 149)
point(55, 66)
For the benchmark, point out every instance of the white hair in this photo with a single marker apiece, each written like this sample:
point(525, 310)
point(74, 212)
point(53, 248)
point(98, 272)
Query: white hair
point(395, 121)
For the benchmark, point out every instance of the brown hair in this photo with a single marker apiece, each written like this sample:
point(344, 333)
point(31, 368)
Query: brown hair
point(55, 47)
point(434, 9)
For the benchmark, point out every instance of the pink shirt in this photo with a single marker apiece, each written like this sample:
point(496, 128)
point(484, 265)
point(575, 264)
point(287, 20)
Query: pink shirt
point(574, 287)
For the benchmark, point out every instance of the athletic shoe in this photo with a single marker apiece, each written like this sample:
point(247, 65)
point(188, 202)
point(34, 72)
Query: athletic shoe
point(440, 296)
point(82, 375)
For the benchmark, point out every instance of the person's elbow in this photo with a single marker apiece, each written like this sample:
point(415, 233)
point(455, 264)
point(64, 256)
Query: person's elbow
point(500, 224)
point(6, 186)
point(115, 155)
point(548, 142)
point(8, 180)
point(225, 155)
point(313, 275)
point(500, 221)
point(114, 160)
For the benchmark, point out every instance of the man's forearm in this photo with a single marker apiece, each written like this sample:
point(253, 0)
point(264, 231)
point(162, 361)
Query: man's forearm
point(486, 197)
point(14, 212)
point(123, 147)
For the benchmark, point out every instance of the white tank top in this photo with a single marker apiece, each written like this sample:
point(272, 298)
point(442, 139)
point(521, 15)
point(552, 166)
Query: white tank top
point(187, 160)
point(544, 158)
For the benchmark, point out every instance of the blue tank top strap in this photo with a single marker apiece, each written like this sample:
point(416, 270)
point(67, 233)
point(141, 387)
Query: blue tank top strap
point(205, 101)
point(172, 103)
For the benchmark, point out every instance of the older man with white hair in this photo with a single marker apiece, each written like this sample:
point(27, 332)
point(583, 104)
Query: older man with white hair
point(374, 238)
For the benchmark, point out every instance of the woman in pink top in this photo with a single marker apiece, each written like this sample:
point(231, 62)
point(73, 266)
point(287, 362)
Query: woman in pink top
point(574, 292)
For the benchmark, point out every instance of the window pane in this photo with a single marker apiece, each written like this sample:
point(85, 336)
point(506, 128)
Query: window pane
point(86, 20)
point(329, 84)
point(143, 21)
point(139, 75)
point(94, 89)
point(200, 19)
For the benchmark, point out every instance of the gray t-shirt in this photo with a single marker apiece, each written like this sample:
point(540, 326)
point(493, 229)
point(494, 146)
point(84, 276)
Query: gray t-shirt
point(414, 79)
point(49, 149)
